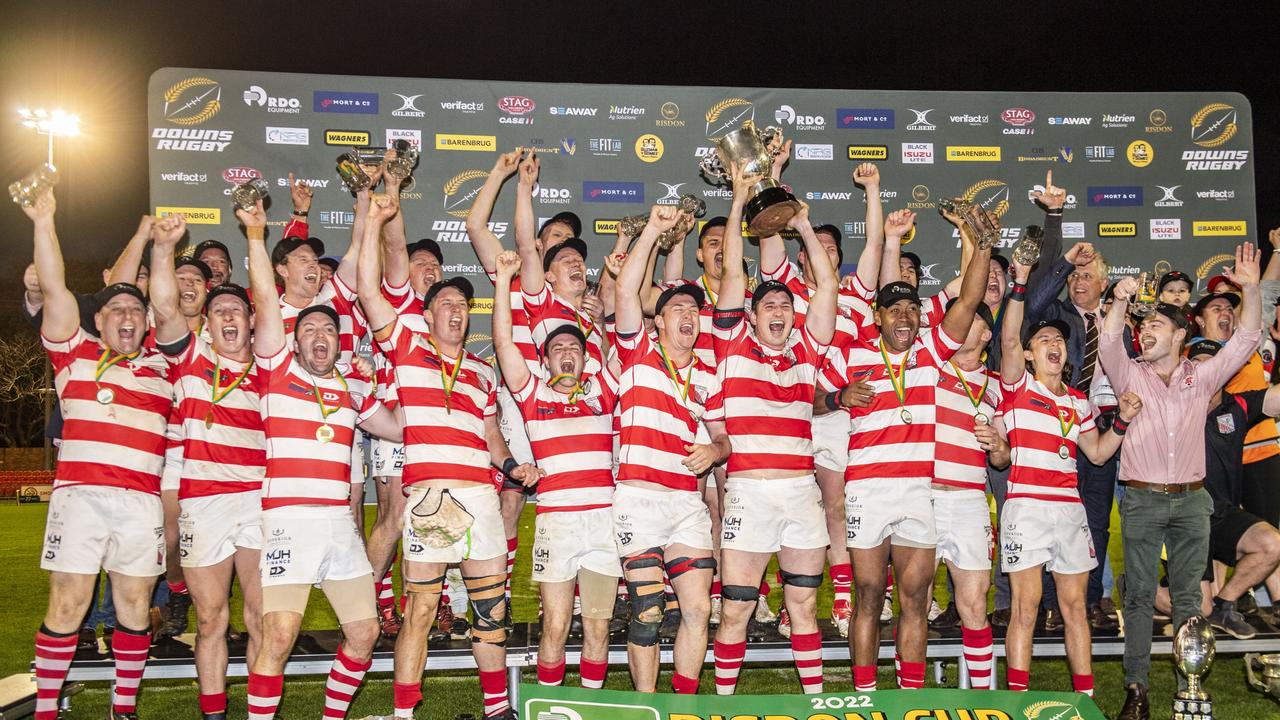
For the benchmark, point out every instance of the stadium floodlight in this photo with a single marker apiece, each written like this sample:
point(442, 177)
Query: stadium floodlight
point(55, 123)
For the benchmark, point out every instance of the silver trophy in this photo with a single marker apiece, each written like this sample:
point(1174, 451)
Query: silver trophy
point(1144, 300)
point(354, 178)
point(769, 204)
point(1193, 650)
point(401, 164)
point(247, 195)
point(1028, 250)
point(26, 191)
point(690, 207)
point(1268, 669)
point(983, 224)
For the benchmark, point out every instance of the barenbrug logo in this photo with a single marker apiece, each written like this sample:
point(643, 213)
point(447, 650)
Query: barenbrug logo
point(608, 191)
point(461, 189)
point(1166, 228)
point(728, 115)
point(787, 114)
point(810, 151)
point(288, 136)
point(1114, 196)
point(1215, 159)
point(1065, 120)
point(606, 147)
point(1100, 153)
point(1214, 125)
point(192, 139)
point(331, 101)
point(473, 143)
point(578, 111)
point(469, 107)
point(192, 101)
point(516, 108)
point(240, 175)
point(973, 153)
point(922, 120)
point(408, 106)
point(865, 118)
point(1218, 228)
point(255, 95)
point(916, 153)
point(1018, 119)
point(1168, 199)
point(629, 112)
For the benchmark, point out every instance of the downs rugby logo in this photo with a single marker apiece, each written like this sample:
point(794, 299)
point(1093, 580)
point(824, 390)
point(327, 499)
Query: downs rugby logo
point(1214, 125)
point(728, 115)
point(461, 190)
point(992, 195)
point(192, 101)
point(1051, 710)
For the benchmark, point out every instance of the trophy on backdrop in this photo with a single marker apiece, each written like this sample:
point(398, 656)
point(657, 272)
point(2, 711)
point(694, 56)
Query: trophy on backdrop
point(770, 204)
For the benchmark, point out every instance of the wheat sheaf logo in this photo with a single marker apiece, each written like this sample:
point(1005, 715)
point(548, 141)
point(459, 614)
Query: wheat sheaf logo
point(727, 115)
point(457, 203)
point(1051, 710)
point(1214, 125)
point(992, 195)
point(192, 101)
point(481, 345)
point(1207, 266)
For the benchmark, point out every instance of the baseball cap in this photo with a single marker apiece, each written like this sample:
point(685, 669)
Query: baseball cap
point(564, 329)
point(1058, 325)
point(428, 245)
point(913, 258)
point(103, 296)
point(566, 217)
point(573, 243)
point(767, 287)
point(289, 244)
point(1002, 261)
point(462, 284)
point(211, 245)
point(1175, 276)
point(1203, 346)
point(983, 312)
point(1176, 315)
point(307, 311)
point(330, 262)
point(683, 288)
point(227, 289)
point(718, 221)
point(197, 264)
point(1203, 302)
point(1217, 280)
point(895, 291)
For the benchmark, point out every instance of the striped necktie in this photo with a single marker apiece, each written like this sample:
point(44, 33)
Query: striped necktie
point(1090, 353)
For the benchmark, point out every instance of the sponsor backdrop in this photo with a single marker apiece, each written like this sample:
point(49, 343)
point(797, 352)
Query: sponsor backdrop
point(1156, 180)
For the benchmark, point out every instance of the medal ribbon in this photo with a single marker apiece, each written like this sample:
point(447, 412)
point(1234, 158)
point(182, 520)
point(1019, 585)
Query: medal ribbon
point(108, 360)
point(681, 388)
point(975, 399)
point(1065, 425)
point(216, 396)
point(325, 410)
point(707, 288)
point(577, 390)
point(447, 377)
point(898, 381)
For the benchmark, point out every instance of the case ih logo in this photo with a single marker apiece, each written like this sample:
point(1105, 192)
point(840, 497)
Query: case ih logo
point(238, 175)
point(1018, 117)
point(515, 105)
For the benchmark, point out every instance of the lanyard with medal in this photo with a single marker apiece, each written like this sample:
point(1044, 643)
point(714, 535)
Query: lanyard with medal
point(447, 377)
point(980, 417)
point(1065, 425)
point(579, 390)
point(215, 396)
point(682, 388)
point(899, 382)
point(711, 296)
point(324, 433)
point(106, 361)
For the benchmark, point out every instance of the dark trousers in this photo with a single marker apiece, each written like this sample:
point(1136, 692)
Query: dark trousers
point(1097, 485)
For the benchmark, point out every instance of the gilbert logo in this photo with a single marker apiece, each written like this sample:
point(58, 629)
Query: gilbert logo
point(1117, 229)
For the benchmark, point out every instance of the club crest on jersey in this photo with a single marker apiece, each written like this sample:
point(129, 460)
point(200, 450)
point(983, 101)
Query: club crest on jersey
point(1067, 414)
point(1036, 402)
point(912, 360)
point(698, 393)
point(1189, 381)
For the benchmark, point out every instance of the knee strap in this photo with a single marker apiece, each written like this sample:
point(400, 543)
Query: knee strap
point(740, 593)
point(434, 586)
point(487, 594)
point(798, 580)
point(646, 612)
point(682, 565)
point(643, 559)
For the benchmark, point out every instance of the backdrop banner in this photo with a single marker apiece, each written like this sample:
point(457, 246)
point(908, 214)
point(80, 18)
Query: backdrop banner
point(1157, 181)
point(563, 703)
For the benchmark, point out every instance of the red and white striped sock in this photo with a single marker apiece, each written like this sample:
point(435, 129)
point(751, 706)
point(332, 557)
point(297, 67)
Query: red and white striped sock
point(386, 591)
point(1016, 679)
point(263, 695)
point(911, 675)
point(345, 676)
point(551, 674)
point(493, 684)
point(684, 685)
point(806, 650)
point(54, 652)
point(406, 697)
point(213, 703)
point(1083, 684)
point(841, 581)
point(130, 648)
point(512, 544)
point(979, 657)
point(622, 590)
point(179, 587)
point(593, 672)
point(864, 678)
point(728, 657)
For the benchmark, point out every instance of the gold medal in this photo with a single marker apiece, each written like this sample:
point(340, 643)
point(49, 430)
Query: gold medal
point(324, 433)
point(899, 381)
point(905, 414)
point(106, 396)
point(106, 361)
point(982, 419)
point(208, 420)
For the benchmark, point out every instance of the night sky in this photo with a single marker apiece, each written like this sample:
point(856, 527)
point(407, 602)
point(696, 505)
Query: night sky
point(94, 58)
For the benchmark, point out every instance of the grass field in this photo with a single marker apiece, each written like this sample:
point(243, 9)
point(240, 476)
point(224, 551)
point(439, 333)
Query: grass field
point(448, 694)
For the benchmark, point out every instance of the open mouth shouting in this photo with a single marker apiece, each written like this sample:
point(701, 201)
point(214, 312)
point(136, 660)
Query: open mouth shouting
point(776, 326)
point(687, 328)
point(1054, 357)
point(230, 333)
point(187, 296)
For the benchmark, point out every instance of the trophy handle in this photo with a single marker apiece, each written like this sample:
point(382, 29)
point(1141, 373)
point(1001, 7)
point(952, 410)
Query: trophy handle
point(1249, 660)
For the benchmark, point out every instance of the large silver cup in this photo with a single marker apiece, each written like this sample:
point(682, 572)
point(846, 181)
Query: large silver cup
point(401, 165)
point(690, 207)
point(354, 178)
point(1267, 679)
point(1193, 651)
point(983, 224)
point(1028, 250)
point(769, 205)
point(247, 195)
point(26, 191)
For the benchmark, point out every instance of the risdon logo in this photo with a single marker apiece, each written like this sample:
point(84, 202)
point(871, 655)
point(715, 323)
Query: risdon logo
point(621, 192)
point(461, 190)
point(728, 115)
point(192, 101)
point(1214, 125)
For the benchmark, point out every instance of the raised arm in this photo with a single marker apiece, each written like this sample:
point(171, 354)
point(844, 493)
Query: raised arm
point(483, 241)
point(973, 285)
point(629, 317)
point(1012, 363)
point(395, 256)
point(126, 266)
point(1247, 275)
point(733, 279)
point(61, 313)
point(1099, 447)
point(169, 323)
point(532, 277)
point(1052, 199)
point(510, 361)
point(268, 322)
point(820, 320)
point(377, 309)
point(609, 273)
point(867, 175)
point(896, 226)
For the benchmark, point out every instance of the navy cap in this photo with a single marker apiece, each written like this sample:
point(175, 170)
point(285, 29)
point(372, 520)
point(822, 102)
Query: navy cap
point(767, 287)
point(896, 291)
point(1063, 328)
point(1175, 276)
point(307, 311)
point(227, 289)
point(462, 284)
point(197, 264)
point(573, 243)
point(1203, 347)
point(680, 288)
point(1203, 302)
point(103, 296)
point(330, 262)
point(566, 217)
point(564, 329)
point(289, 244)
point(1174, 313)
point(427, 245)
point(211, 245)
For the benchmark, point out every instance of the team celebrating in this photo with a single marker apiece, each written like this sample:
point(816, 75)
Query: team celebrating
point(676, 435)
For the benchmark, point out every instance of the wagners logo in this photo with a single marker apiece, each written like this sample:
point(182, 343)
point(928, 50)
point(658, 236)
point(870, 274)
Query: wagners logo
point(728, 115)
point(475, 143)
point(606, 227)
point(973, 153)
point(605, 191)
point(331, 101)
point(1117, 229)
point(1217, 228)
point(868, 152)
point(865, 118)
point(1114, 196)
point(194, 215)
point(346, 137)
point(192, 101)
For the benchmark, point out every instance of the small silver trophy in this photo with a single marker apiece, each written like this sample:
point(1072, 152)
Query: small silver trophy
point(1268, 669)
point(26, 191)
point(690, 207)
point(770, 205)
point(1028, 250)
point(1144, 300)
point(401, 164)
point(1193, 650)
point(983, 224)
point(354, 178)
point(247, 195)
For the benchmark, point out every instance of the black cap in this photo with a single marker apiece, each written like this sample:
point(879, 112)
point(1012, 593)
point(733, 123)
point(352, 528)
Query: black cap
point(564, 329)
point(330, 262)
point(1002, 261)
point(718, 221)
point(197, 264)
point(227, 289)
point(1175, 276)
point(566, 217)
point(289, 244)
point(1203, 302)
point(767, 287)
point(428, 245)
point(680, 288)
point(103, 296)
point(913, 258)
point(330, 312)
point(1175, 314)
point(1203, 346)
point(895, 291)
point(983, 312)
point(462, 284)
point(1058, 325)
point(573, 243)
point(211, 245)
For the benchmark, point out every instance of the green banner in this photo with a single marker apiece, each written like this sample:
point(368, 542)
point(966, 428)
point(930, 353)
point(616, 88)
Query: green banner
point(561, 703)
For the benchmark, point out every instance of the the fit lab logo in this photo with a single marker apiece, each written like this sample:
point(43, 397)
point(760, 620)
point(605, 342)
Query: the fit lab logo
point(1018, 119)
point(1166, 228)
point(812, 151)
point(408, 107)
point(1214, 125)
point(915, 153)
point(517, 109)
point(1114, 196)
point(1069, 120)
point(257, 96)
point(1168, 197)
point(605, 147)
point(359, 103)
point(619, 192)
point(354, 138)
point(573, 111)
point(1213, 228)
point(192, 101)
point(1100, 153)
point(868, 152)
point(461, 190)
point(786, 114)
point(288, 136)
point(728, 115)
point(865, 118)
point(922, 120)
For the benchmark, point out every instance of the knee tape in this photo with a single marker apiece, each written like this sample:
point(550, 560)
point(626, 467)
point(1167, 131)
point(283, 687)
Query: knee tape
point(643, 559)
point(682, 565)
point(434, 586)
point(646, 611)
point(798, 580)
point(488, 603)
point(740, 593)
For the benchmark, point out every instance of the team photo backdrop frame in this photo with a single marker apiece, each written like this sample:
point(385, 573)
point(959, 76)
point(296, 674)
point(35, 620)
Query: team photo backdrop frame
point(1156, 181)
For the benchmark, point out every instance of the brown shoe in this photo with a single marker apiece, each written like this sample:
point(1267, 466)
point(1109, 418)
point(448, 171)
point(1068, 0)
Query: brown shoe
point(1135, 704)
point(1109, 607)
point(1053, 620)
point(1100, 623)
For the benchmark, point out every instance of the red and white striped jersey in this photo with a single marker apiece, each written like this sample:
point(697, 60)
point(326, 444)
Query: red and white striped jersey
point(521, 332)
point(572, 441)
point(704, 346)
point(883, 444)
point(933, 308)
point(302, 469)
point(444, 435)
point(547, 311)
point(768, 398)
point(120, 443)
point(658, 419)
point(352, 325)
point(1036, 419)
point(960, 461)
point(223, 444)
point(854, 318)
